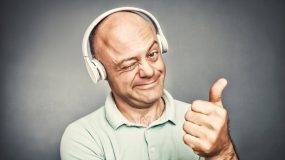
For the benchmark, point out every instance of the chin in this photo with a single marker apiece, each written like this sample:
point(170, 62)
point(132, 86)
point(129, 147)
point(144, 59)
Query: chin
point(150, 95)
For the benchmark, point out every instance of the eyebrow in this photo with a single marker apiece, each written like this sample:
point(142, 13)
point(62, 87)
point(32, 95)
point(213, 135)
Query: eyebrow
point(134, 58)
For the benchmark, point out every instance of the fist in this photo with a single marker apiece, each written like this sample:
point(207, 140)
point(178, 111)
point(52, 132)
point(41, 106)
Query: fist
point(206, 124)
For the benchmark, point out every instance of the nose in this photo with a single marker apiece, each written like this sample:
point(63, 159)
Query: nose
point(145, 70)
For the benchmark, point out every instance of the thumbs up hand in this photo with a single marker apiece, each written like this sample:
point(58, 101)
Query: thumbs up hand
point(206, 126)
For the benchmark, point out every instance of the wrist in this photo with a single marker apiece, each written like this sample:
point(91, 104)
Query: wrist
point(228, 153)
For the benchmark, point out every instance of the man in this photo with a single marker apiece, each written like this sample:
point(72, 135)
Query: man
point(141, 120)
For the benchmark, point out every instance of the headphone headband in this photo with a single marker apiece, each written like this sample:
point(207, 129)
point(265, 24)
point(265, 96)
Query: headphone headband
point(96, 71)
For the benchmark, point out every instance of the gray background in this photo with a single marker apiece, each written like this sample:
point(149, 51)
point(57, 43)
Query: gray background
point(45, 86)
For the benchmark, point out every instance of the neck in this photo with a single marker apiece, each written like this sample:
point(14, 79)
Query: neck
point(144, 116)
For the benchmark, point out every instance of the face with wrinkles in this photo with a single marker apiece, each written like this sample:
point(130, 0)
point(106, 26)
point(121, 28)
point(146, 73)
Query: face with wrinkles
point(127, 46)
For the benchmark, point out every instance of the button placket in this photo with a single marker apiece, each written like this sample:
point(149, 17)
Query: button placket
point(150, 146)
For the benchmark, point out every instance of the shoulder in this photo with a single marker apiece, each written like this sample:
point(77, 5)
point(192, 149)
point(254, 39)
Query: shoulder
point(180, 110)
point(181, 106)
point(181, 103)
point(81, 135)
point(88, 121)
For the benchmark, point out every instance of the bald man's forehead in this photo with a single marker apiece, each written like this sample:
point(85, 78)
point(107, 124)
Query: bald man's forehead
point(120, 19)
point(123, 16)
point(121, 27)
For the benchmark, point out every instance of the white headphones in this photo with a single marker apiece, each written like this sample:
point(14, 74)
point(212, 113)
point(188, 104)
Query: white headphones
point(95, 69)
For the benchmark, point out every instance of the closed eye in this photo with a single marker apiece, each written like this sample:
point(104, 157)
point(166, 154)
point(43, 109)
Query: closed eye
point(129, 67)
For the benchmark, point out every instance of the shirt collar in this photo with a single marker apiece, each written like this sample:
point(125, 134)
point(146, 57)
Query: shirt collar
point(116, 118)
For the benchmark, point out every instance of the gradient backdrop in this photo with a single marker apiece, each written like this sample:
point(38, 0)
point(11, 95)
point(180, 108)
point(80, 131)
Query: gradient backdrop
point(45, 86)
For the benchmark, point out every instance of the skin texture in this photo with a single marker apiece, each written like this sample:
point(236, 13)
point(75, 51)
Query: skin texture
point(206, 126)
point(127, 46)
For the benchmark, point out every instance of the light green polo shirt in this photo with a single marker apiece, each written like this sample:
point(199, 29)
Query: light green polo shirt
point(107, 134)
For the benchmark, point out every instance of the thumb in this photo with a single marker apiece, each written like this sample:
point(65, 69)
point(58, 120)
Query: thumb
point(216, 91)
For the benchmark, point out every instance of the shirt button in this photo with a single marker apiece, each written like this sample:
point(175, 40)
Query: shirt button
point(152, 149)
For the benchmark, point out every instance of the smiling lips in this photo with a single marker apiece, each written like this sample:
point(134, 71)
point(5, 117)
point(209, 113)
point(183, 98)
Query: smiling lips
point(147, 85)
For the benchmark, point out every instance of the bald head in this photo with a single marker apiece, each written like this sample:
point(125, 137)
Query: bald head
point(118, 31)
point(128, 47)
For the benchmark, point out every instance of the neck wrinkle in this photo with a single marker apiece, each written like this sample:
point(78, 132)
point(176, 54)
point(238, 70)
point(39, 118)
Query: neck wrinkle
point(143, 116)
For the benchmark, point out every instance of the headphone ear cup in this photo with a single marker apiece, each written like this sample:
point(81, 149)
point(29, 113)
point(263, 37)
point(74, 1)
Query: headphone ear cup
point(92, 70)
point(99, 68)
point(95, 69)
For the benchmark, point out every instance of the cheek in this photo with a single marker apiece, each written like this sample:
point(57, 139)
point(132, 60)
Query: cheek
point(160, 66)
point(124, 80)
